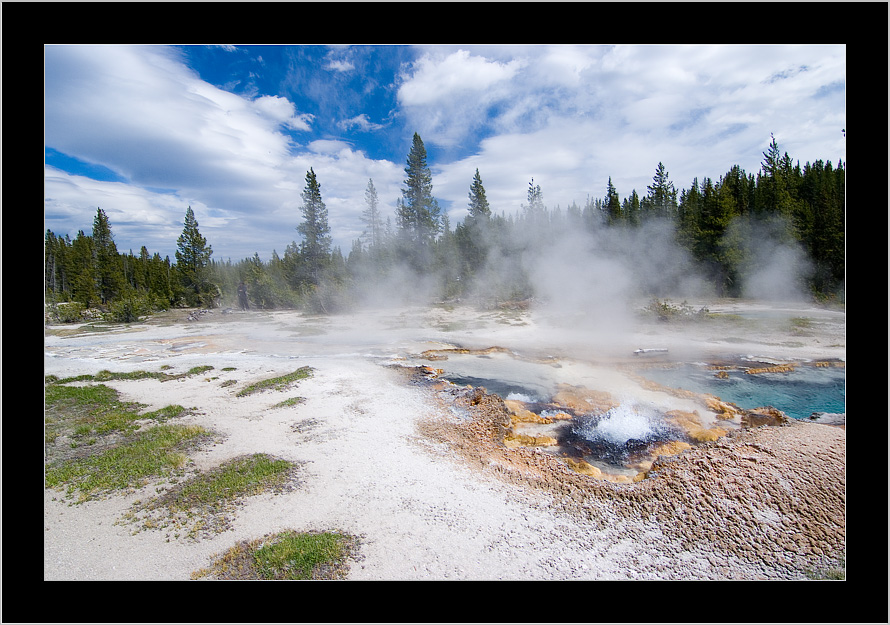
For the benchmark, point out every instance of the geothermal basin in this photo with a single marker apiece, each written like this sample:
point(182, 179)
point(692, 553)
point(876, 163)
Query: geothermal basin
point(560, 496)
point(617, 395)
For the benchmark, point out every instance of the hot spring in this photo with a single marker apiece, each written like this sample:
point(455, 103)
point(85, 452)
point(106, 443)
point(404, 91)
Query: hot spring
point(617, 425)
point(799, 391)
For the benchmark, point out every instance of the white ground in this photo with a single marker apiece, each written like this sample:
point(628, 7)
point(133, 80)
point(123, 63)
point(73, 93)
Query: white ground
point(419, 513)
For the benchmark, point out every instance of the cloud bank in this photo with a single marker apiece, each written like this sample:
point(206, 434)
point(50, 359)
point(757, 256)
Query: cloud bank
point(237, 148)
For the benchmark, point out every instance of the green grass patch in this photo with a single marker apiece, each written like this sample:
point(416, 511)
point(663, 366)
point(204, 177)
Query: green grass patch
point(279, 383)
point(173, 411)
point(107, 376)
point(239, 477)
point(203, 503)
point(294, 555)
point(92, 420)
point(83, 413)
point(91, 410)
point(291, 401)
point(156, 452)
point(287, 555)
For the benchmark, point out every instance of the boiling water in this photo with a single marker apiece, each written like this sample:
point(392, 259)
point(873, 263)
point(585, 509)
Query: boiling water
point(613, 438)
point(621, 424)
point(798, 393)
point(616, 439)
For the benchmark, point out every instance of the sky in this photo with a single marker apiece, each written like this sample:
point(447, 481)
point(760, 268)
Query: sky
point(144, 132)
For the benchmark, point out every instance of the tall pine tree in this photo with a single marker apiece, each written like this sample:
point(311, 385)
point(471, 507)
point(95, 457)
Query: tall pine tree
point(479, 208)
point(661, 201)
point(473, 237)
point(373, 232)
point(612, 205)
point(417, 211)
point(108, 268)
point(192, 262)
point(316, 247)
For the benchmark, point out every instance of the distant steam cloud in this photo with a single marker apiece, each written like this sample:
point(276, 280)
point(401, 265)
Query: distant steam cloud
point(773, 265)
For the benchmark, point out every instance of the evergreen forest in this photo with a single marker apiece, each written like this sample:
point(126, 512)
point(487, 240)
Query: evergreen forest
point(722, 227)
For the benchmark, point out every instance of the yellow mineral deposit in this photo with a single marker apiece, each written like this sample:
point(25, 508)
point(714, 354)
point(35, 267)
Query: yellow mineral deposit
point(690, 422)
point(773, 369)
point(584, 400)
point(514, 440)
point(520, 414)
point(582, 467)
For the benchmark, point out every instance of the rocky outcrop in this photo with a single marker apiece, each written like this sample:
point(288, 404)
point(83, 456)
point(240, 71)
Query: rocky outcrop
point(766, 415)
point(584, 468)
point(773, 369)
point(829, 418)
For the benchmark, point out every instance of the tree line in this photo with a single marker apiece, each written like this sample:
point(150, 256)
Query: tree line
point(483, 256)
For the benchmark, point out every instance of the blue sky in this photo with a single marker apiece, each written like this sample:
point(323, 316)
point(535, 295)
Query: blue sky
point(146, 131)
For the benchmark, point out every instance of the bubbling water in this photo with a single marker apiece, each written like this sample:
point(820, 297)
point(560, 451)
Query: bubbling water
point(619, 425)
point(628, 421)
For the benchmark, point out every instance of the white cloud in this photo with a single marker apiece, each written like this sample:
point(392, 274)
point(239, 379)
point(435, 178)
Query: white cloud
point(282, 111)
point(436, 80)
point(446, 97)
point(361, 122)
point(339, 65)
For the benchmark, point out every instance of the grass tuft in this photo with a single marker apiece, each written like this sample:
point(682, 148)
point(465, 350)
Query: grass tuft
point(287, 555)
point(156, 452)
point(203, 503)
point(278, 383)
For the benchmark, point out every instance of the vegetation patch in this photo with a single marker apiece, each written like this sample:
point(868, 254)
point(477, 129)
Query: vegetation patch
point(291, 401)
point(836, 572)
point(96, 443)
point(157, 452)
point(107, 376)
point(279, 383)
point(666, 311)
point(203, 503)
point(85, 419)
point(288, 555)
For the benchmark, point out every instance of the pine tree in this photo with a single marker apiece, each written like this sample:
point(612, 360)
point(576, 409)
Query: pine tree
point(192, 261)
point(473, 237)
point(661, 201)
point(612, 205)
point(109, 272)
point(417, 211)
point(630, 208)
point(316, 247)
point(418, 216)
point(83, 271)
point(373, 232)
point(292, 265)
point(534, 210)
point(54, 254)
point(479, 208)
point(774, 184)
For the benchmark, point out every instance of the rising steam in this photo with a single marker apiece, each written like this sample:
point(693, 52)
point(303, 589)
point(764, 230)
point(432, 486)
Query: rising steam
point(774, 267)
